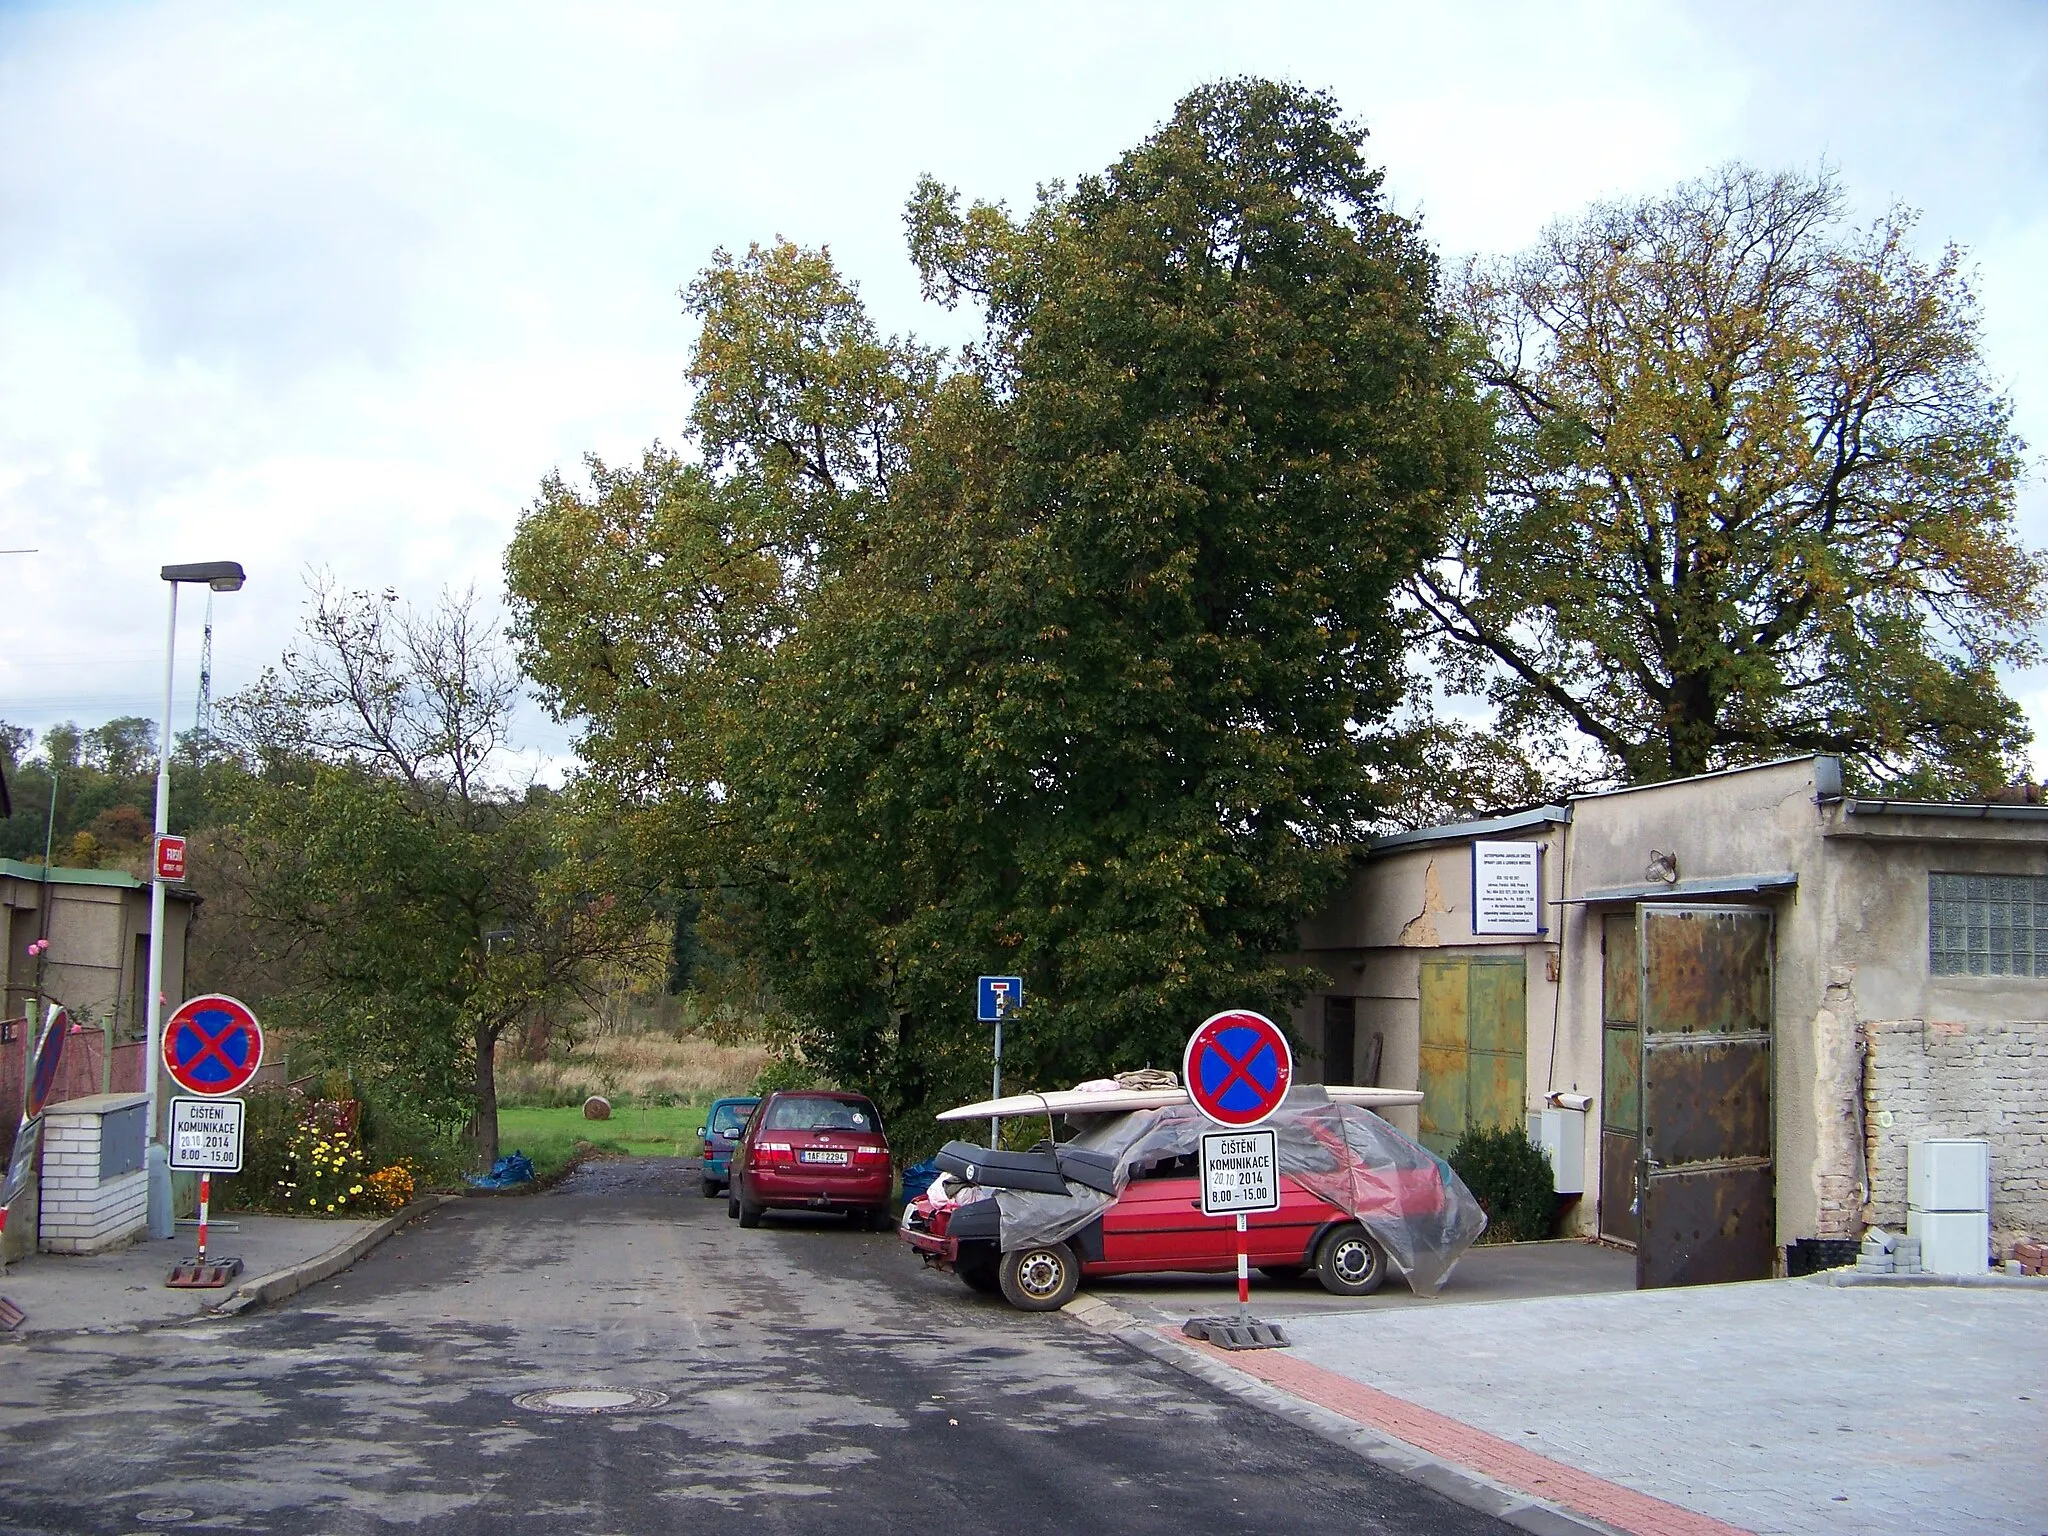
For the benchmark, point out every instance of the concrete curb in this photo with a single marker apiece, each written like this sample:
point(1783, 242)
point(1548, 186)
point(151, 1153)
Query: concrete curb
point(281, 1283)
point(1991, 1282)
point(1459, 1484)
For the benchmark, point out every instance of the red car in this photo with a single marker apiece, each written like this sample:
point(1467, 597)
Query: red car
point(1394, 1192)
point(812, 1151)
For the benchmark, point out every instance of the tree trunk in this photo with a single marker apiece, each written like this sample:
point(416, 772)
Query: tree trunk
point(484, 1129)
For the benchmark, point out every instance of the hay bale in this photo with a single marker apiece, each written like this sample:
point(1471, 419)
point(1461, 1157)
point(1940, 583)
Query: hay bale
point(597, 1107)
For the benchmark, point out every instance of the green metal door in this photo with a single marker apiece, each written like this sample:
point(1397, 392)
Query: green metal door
point(1475, 1025)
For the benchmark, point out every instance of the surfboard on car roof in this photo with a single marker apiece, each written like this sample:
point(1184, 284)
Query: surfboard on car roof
point(1115, 1099)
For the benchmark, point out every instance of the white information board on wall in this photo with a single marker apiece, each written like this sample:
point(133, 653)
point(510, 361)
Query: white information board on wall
point(1507, 887)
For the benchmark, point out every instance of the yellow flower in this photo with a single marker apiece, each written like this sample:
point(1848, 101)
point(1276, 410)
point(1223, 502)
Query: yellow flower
point(355, 1189)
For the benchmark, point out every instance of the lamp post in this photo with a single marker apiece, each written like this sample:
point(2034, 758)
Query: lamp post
point(221, 576)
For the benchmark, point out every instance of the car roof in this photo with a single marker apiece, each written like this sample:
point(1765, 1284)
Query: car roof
point(844, 1096)
point(736, 1098)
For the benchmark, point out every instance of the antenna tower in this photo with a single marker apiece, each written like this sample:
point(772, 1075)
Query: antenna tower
point(202, 721)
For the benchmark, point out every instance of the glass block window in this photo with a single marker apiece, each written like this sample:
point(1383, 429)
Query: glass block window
point(1987, 925)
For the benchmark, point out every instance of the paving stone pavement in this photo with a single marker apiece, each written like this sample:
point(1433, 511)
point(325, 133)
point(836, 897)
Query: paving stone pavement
point(1781, 1406)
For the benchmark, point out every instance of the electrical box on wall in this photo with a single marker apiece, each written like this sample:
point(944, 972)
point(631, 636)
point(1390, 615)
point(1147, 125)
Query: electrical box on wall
point(1561, 1133)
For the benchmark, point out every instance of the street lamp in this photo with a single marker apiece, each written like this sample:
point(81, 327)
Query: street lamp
point(221, 576)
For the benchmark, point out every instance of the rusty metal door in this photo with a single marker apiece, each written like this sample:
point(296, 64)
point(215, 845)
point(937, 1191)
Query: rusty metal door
point(1706, 1207)
point(1621, 1074)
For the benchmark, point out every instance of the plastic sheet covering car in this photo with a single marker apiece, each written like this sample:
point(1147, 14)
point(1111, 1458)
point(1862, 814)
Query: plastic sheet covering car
point(1406, 1196)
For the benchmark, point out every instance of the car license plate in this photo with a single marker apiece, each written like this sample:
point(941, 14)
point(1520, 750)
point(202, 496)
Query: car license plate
point(840, 1158)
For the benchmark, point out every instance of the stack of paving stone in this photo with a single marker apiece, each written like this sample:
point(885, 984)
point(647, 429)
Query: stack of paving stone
point(1886, 1253)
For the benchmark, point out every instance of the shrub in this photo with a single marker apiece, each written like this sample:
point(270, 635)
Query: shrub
point(1511, 1178)
point(270, 1119)
point(784, 1072)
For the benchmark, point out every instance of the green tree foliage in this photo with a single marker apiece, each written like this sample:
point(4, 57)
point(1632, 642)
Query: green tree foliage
point(1074, 660)
point(1753, 495)
point(413, 904)
point(104, 781)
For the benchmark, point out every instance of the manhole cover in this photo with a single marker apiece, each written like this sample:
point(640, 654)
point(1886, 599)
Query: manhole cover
point(590, 1400)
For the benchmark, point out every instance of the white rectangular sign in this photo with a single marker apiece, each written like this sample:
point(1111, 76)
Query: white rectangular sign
point(1240, 1172)
point(206, 1135)
point(1507, 888)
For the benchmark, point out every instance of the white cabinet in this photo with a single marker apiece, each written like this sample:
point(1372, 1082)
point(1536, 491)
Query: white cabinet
point(1561, 1133)
point(1948, 1175)
point(1951, 1242)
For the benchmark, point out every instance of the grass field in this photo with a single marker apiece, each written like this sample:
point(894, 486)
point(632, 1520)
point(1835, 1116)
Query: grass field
point(549, 1136)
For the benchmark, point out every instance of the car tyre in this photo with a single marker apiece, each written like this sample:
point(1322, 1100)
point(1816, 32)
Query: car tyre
point(983, 1274)
point(732, 1206)
point(1039, 1277)
point(712, 1189)
point(748, 1212)
point(1283, 1272)
point(1349, 1262)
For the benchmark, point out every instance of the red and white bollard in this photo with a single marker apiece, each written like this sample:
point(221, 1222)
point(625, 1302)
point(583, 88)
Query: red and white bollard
point(1244, 1272)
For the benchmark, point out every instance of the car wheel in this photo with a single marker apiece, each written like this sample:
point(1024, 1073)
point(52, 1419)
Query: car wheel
point(1283, 1272)
point(712, 1188)
point(1039, 1278)
point(732, 1206)
point(981, 1274)
point(1350, 1263)
point(750, 1213)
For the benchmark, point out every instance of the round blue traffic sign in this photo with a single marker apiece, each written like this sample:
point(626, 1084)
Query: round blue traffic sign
point(212, 1045)
point(1237, 1067)
point(49, 1053)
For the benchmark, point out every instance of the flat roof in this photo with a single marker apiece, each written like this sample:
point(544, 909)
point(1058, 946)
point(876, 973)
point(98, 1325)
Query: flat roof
point(1541, 816)
point(119, 879)
point(1968, 810)
point(1682, 890)
point(57, 874)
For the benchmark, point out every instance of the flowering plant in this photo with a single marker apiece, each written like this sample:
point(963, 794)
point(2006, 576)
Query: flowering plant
point(324, 1169)
point(390, 1188)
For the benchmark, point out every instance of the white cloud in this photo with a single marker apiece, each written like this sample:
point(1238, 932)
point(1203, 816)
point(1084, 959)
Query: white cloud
point(337, 287)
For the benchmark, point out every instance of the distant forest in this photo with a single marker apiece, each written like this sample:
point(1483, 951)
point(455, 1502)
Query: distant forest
point(103, 781)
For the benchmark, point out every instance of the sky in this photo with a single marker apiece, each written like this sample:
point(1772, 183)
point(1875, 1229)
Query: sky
point(336, 287)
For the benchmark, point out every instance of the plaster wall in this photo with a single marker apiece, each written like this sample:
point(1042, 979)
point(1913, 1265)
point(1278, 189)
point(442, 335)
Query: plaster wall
point(1399, 905)
point(1755, 821)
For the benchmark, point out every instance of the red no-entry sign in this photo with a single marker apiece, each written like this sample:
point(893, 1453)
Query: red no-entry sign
point(212, 1045)
point(1237, 1067)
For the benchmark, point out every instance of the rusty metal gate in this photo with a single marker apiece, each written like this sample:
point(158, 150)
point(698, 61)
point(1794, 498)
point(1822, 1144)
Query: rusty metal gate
point(1705, 1208)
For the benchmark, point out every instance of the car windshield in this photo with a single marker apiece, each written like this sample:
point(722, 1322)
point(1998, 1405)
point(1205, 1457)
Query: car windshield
point(727, 1119)
point(822, 1115)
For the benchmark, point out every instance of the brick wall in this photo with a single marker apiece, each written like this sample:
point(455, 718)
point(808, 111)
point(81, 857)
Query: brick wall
point(1932, 1077)
point(81, 1213)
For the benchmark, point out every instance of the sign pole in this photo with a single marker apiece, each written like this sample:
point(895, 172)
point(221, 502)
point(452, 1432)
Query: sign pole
point(205, 1194)
point(1244, 1274)
point(996, 1092)
point(1237, 1067)
point(995, 999)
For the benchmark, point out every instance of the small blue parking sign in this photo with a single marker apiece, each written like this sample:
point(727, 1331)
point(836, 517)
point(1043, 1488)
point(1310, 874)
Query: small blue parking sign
point(999, 997)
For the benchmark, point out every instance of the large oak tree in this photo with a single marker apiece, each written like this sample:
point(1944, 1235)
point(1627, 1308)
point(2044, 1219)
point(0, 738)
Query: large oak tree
point(1753, 495)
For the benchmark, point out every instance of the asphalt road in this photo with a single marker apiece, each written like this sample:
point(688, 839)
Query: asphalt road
point(816, 1378)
